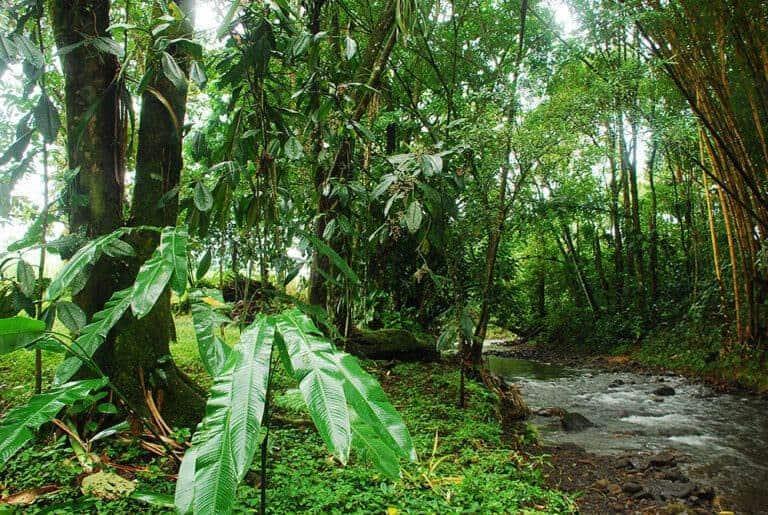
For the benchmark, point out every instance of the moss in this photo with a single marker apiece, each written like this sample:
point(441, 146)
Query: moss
point(392, 344)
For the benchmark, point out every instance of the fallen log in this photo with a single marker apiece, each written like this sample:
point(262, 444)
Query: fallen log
point(391, 344)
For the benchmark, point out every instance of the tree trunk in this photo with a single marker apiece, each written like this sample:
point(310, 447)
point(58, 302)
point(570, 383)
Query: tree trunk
point(372, 67)
point(141, 348)
point(653, 243)
point(144, 344)
point(95, 136)
point(618, 245)
point(497, 230)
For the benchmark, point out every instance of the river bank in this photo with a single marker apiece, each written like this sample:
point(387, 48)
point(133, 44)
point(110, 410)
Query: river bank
point(466, 464)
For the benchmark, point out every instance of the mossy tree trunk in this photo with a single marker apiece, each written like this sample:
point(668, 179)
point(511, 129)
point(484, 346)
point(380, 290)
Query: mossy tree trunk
point(95, 136)
point(144, 344)
point(137, 356)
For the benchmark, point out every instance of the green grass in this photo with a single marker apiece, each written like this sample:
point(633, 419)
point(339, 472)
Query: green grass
point(694, 348)
point(466, 465)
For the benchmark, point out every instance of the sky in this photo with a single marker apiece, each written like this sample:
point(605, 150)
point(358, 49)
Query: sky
point(207, 19)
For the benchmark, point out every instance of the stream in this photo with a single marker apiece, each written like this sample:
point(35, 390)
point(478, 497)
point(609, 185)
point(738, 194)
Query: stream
point(725, 436)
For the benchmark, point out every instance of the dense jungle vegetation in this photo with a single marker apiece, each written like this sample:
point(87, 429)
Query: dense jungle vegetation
point(248, 243)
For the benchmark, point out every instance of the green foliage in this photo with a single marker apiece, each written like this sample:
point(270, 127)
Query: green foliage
point(16, 428)
point(79, 263)
point(226, 440)
point(214, 353)
point(473, 469)
point(18, 332)
point(94, 334)
point(346, 404)
point(166, 262)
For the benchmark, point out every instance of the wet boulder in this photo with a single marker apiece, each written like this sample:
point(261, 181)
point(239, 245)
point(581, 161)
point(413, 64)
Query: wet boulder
point(574, 422)
point(616, 383)
point(662, 460)
point(664, 391)
point(632, 488)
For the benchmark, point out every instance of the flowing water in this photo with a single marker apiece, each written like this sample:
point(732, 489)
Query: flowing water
point(724, 435)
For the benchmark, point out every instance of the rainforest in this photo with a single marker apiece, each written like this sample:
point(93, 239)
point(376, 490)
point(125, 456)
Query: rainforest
point(386, 256)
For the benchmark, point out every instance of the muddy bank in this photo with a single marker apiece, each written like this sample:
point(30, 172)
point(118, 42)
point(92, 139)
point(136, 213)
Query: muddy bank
point(629, 483)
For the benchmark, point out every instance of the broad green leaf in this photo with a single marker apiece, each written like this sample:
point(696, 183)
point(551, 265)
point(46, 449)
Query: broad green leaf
point(185, 482)
point(431, 164)
point(350, 48)
point(152, 279)
point(173, 246)
point(203, 265)
point(336, 260)
point(18, 426)
point(300, 43)
point(25, 276)
point(172, 71)
point(370, 403)
point(386, 181)
point(94, 334)
point(17, 332)
point(309, 357)
point(226, 440)
point(47, 119)
point(118, 249)
point(197, 74)
point(413, 216)
point(293, 149)
point(213, 351)
point(71, 315)
point(79, 263)
point(372, 447)
point(202, 197)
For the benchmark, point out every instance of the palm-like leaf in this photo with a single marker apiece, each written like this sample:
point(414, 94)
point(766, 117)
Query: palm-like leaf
point(372, 407)
point(94, 334)
point(213, 351)
point(150, 283)
point(370, 445)
point(225, 442)
point(78, 264)
point(309, 358)
point(167, 263)
point(173, 245)
point(18, 426)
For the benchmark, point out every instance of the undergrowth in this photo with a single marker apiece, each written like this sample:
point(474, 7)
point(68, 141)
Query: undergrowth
point(465, 464)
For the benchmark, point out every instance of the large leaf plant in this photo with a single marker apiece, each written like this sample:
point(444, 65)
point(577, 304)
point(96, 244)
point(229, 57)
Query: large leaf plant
point(347, 405)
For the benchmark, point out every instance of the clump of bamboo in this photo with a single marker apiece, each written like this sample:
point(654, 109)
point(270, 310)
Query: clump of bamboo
point(717, 55)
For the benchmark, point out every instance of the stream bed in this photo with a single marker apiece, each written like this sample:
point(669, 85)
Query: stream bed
point(725, 436)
